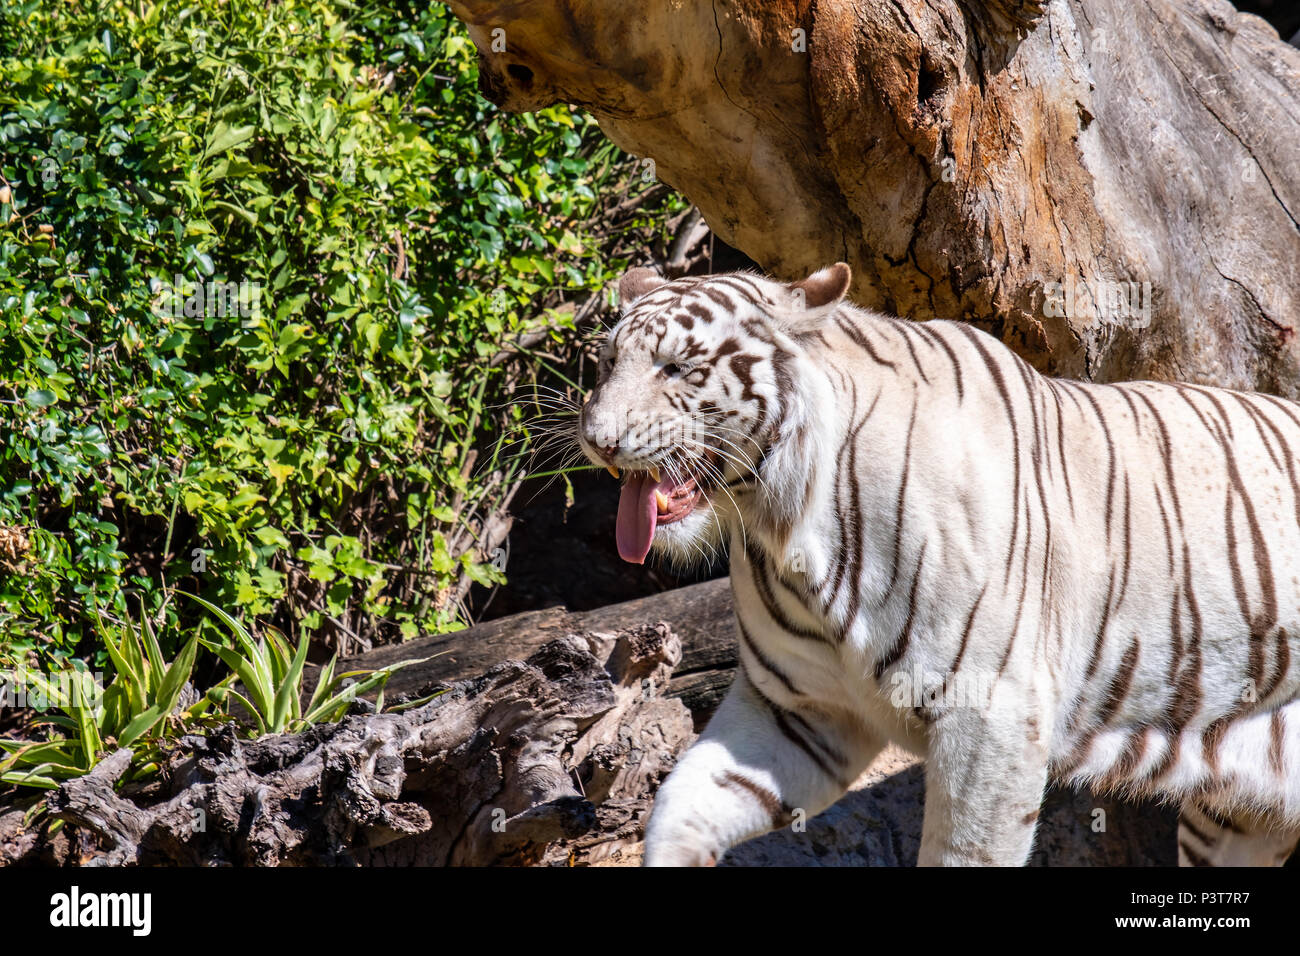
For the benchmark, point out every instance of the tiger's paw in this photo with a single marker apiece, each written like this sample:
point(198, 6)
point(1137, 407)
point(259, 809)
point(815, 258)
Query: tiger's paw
point(657, 854)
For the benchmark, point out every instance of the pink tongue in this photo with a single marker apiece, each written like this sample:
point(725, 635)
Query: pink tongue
point(637, 515)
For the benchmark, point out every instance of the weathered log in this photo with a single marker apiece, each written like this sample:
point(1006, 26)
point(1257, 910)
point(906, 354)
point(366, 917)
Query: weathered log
point(550, 761)
point(700, 615)
point(1013, 162)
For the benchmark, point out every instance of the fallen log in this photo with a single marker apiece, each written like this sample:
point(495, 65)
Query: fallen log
point(700, 615)
point(549, 761)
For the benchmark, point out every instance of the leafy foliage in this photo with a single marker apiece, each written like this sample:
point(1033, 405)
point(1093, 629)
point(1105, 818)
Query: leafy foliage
point(143, 706)
point(272, 679)
point(258, 265)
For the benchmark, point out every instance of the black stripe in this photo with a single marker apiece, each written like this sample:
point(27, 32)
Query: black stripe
point(996, 373)
point(965, 634)
point(781, 716)
point(904, 638)
point(762, 658)
point(862, 342)
point(902, 500)
point(1110, 458)
point(763, 586)
point(1167, 446)
point(779, 813)
point(1185, 822)
point(904, 330)
point(1193, 857)
point(1060, 442)
point(936, 336)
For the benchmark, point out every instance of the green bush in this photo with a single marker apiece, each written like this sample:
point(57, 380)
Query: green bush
point(255, 262)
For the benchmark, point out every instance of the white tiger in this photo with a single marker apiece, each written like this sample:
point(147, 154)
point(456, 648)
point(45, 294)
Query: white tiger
point(1020, 578)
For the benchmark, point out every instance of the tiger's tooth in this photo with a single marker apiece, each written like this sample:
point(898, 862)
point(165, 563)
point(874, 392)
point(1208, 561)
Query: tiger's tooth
point(661, 500)
point(654, 473)
point(612, 470)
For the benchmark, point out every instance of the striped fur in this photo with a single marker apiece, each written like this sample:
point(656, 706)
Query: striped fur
point(1020, 578)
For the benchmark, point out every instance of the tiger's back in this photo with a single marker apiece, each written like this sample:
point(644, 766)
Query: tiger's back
point(1151, 563)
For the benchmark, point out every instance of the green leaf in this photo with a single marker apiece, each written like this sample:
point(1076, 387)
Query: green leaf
point(252, 654)
point(141, 724)
point(178, 674)
point(290, 690)
point(324, 684)
point(226, 137)
point(261, 692)
point(247, 215)
point(129, 678)
point(255, 712)
point(87, 729)
point(153, 650)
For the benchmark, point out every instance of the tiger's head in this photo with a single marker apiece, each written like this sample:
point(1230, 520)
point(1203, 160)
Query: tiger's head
point(698, 405)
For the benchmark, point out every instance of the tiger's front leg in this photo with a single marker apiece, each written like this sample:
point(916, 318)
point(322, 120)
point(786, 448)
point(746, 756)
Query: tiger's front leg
point(755, 767)
point(985, 773)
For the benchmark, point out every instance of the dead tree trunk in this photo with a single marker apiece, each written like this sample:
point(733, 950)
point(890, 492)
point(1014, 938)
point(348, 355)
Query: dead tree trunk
point(1029, 166)
point(550, 761)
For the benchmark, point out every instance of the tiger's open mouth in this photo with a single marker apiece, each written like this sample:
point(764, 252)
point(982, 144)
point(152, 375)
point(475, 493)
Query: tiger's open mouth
point(650, 499)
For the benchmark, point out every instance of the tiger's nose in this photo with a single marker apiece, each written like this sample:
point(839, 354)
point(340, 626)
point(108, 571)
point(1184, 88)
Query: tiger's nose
point(606, 445)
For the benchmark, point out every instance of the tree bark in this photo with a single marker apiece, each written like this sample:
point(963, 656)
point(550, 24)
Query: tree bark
point(1021, 165)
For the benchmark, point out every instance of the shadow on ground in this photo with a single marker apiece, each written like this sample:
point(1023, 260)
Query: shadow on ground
point(879, 824)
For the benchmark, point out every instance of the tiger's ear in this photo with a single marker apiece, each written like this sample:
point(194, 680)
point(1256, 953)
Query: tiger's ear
point(636, 283)
point(813, 299)
point(824, 289)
